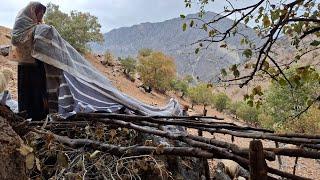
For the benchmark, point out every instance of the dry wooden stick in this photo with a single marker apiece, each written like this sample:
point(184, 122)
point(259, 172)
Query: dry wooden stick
point(129, 151)
point(286, 175)
point(294, 152)
point(268, 136)
point(135, 118)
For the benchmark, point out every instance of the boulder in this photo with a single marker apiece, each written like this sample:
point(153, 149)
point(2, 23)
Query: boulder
point(12, 159)
point(5, 50)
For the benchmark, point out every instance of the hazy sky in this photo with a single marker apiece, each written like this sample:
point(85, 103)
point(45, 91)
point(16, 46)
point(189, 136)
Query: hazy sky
point(111, 13)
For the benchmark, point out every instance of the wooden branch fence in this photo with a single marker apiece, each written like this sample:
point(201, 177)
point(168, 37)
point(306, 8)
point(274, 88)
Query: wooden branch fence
point(252, 158)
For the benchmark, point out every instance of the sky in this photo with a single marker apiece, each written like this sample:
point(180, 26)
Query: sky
point(111, 13)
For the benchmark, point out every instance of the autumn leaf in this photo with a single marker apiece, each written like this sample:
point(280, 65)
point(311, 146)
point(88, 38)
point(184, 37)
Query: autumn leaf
point(112, 133)
point(266, 21)
point(184, 27)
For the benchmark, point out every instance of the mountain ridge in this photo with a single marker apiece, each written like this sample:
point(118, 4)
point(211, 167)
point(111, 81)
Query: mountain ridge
point(167, 36)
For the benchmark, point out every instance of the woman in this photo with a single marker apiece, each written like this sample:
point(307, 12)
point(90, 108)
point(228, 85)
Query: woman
point(32, 96)
point(72, 84)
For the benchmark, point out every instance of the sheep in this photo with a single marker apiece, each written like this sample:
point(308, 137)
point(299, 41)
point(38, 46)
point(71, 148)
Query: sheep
point(5, 76)
point(233, 169)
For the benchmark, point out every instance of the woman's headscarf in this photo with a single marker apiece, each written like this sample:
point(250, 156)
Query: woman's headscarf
point(24, 24)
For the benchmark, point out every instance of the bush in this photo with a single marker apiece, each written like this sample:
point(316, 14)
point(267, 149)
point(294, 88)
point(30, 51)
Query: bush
point(157, 71)
point(129, 65)
point(109, 59)
point(220, 101)
point(179, 85)
point(266, 121)
point(248, 113)
point(232, 107)
point(308, 123)
point(144, 52)
point(200, 94)
point(284, 101)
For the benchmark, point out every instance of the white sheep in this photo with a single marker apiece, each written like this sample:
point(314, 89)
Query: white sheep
point(234, 170)
point(5, 76)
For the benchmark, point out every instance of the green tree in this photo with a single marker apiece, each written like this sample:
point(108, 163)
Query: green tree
point(144, 52)
point(285, 101)
point(273, 21)
point(248, 113)
point(156, 70)
point(308, 123)
point(220, 101)
point(109, 59)
point(77, 28)
point(180, 85)
point(129, 65)
point(200, 94)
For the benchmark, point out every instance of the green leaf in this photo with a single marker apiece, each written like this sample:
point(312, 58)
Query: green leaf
point(197, 51)
point(258, 104)
point(257, 91)
point(266, 65)
point(191, 23)
point(250, 103)
point(247, 53)
point(246, 96)
point(184, 27)
point(275, 15)
point(282, 82)
point(296, 80)
point(204, 27)
point(212, 32)
point(246, 20)
point(315, 43)
point(223, 72)
point(236, 73)
point(182, 16)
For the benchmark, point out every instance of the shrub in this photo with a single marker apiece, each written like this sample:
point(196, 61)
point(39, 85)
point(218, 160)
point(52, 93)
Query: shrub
point(108, 60)
point(308, 123)
point(200, 94)
point(157, 71)
point(248, 113)
point(129, 65)
point(180, 86)
point(220, 101)
point(266, 121)
point(144, 52)
point(232, 107)
point(283, 101)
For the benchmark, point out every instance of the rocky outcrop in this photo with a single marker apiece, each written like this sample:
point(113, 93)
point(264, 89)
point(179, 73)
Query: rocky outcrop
point(12, 161)
point(5, 50)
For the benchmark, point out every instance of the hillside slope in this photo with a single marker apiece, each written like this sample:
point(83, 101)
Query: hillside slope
point(169, 38)
point(306, 167)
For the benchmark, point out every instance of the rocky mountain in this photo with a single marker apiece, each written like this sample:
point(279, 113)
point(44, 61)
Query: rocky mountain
point(169, 38)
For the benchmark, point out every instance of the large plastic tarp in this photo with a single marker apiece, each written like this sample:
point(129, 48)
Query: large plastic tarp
point(78, 85)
